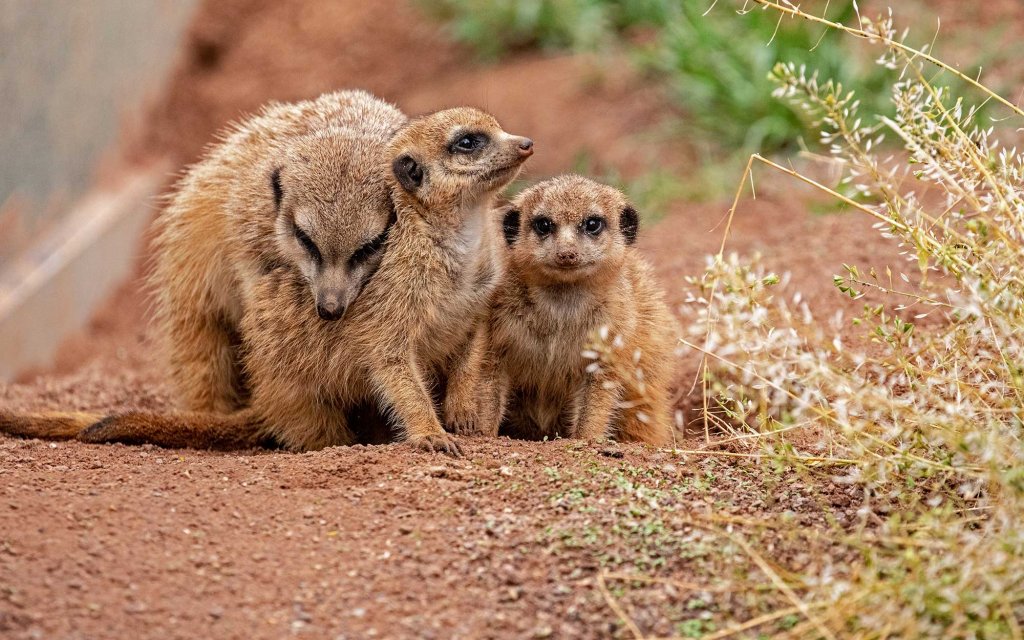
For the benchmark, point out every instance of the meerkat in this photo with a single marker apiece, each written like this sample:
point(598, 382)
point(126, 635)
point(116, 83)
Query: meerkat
point(294, 186)
point(414, 322)
point(294, 189)
point(412, 325)
point(575, 287)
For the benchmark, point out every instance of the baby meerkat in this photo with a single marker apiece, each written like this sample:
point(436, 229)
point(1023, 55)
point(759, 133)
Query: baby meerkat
point(574, 285)
point(410, 327)
point(294, 189)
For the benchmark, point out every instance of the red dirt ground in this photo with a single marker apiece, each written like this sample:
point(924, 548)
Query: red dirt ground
point(114, 541)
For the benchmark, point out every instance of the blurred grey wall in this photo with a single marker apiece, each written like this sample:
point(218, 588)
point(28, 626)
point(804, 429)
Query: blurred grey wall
point(70, 70)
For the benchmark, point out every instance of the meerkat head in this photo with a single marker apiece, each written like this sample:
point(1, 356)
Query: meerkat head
point(333, 214)
point(456, 159)
point(569, 229)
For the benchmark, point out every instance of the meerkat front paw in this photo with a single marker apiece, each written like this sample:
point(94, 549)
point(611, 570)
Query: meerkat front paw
point(438, 442)
point(466, 423)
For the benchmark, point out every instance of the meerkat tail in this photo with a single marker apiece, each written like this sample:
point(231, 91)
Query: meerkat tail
point(49, 425)
point(181, 430)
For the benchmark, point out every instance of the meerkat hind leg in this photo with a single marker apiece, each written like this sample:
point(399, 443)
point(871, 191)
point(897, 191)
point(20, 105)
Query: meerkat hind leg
point(205, 361)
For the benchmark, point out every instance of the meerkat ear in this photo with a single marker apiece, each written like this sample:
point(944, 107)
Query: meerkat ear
point(510, 225)
point(275, 186)
point(408, 171)
point(629, 222)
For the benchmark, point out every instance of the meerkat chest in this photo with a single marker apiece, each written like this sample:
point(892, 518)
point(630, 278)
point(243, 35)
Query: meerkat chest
point(468, 240)
point(546, 338)
point(475, 258)
point(473, 269)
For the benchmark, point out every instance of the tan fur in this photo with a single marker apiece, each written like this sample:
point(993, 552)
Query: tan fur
point(413, 323)
point(561, 291)
point(222, 230)
point(54, 425)
point(231, 222)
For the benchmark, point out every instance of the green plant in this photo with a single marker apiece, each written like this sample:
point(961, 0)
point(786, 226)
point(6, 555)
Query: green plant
point(494, 27)
point(714, 66)
point(927, 417)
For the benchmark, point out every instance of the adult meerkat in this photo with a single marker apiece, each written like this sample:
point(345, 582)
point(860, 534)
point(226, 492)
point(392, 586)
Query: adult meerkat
point(574, 281)
point(409, 329)
point(294, 189)
point(413, 324)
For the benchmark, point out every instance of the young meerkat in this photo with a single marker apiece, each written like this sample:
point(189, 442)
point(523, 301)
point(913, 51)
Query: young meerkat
point(294, 189)
point(574, 281)
point(411, 326)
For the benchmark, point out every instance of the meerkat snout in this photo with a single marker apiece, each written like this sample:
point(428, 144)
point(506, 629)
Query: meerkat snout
point(329, 305)
point(567, 258)
point(525, 147)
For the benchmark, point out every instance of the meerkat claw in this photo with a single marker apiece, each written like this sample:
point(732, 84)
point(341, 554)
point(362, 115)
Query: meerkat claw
point(439, 443)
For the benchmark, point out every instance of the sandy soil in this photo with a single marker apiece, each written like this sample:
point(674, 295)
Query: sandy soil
point(112, 541)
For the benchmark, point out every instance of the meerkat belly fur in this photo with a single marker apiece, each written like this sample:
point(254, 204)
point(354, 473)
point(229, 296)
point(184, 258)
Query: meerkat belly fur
point(576, 287)
point(293, 191)
point(414, 322)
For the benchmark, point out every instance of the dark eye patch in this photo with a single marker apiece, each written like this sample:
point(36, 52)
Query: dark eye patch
point(308, 244)
point(371, 248)
point(468, 142)
point(368, 250)
point(275, 186)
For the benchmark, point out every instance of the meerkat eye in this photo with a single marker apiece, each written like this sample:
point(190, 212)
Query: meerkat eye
point(543, 226)
point(468, 143)
point(593, 226)
point(308, 244)
point(368, 250)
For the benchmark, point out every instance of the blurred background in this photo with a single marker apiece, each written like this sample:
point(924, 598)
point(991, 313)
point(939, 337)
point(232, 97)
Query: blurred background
point(71, 74)
point(664, 98)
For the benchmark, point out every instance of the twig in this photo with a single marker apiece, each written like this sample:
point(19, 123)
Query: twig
point(860, 33)
point(733, 454)
point(619, 611)
point(802, 606)
point(688, 586)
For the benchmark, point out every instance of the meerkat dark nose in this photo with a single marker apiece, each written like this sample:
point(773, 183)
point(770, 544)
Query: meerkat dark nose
point(567, 258)
point(525, 147)
point(329, 307)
